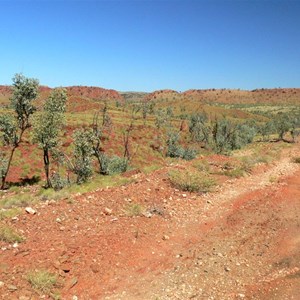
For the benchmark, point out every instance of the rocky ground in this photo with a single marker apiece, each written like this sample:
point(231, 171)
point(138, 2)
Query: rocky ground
point(239, 242)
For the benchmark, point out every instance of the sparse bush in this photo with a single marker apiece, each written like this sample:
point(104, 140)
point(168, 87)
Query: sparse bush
point(43, 281)
point(189, 154)
point(235, 173)
point(9, 213)
point(296, 160)
point(58, 182)
point(83, 141)
point(248, 162)
point(198, 129)
point(283, 123)
point(175, 150)
point(192, 181)
point(113, 165)
point(134, 209)
point(9, 235)
point(22, 200)
point(202, 166)
point(227, 136)
point(266, 130)
point(117, 165)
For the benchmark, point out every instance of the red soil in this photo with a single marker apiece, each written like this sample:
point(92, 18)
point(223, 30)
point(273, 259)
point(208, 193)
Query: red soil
point(241, 241)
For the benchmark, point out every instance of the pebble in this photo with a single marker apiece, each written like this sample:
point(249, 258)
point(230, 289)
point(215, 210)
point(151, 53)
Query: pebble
point(30, 210)
point(107, 211)
point(1, 284)
point(24, 298)
point(12, 287)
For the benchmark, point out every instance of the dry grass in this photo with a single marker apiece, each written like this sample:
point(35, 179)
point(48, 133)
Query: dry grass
point(9, 235)
point(192, 181)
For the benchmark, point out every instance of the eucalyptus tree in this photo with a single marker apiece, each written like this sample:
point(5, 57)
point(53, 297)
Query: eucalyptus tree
point(48, 125)
point(13, 127)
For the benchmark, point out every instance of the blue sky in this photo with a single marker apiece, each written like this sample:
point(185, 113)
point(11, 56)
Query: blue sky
point(150, 45)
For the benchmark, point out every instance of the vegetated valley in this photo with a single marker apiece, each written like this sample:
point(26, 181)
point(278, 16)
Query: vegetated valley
point(163, 195)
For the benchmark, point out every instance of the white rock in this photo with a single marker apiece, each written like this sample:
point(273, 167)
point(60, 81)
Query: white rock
point(107, 211)
point(30, 210)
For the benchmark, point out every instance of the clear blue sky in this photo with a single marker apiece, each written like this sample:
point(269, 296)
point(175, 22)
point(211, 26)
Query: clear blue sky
point(150, 45)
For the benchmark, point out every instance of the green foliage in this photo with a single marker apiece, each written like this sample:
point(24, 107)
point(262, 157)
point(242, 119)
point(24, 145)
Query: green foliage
point(198, 129)
point(283, 123)
point(245, 135)
point(266, 130)
point(58, 182)
point(189, 153)
point(161, 119)
point(192, 181)
point(227, 136)
point(118, 165)
point(9, 130)
point(25, 90)
point(113, 165)
point(83, 151)
point(175, 150)
point(48, 125)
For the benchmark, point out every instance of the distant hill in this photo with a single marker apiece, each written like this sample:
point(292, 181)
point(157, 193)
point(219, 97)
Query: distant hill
point(80, 98)
point(85, 97)
point(271, 96)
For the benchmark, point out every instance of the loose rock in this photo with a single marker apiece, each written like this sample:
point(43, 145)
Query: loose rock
point(30, 210)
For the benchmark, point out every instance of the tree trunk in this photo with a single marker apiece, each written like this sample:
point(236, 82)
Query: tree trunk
point(7, 168)
point(47, 168)
point(16, 145)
